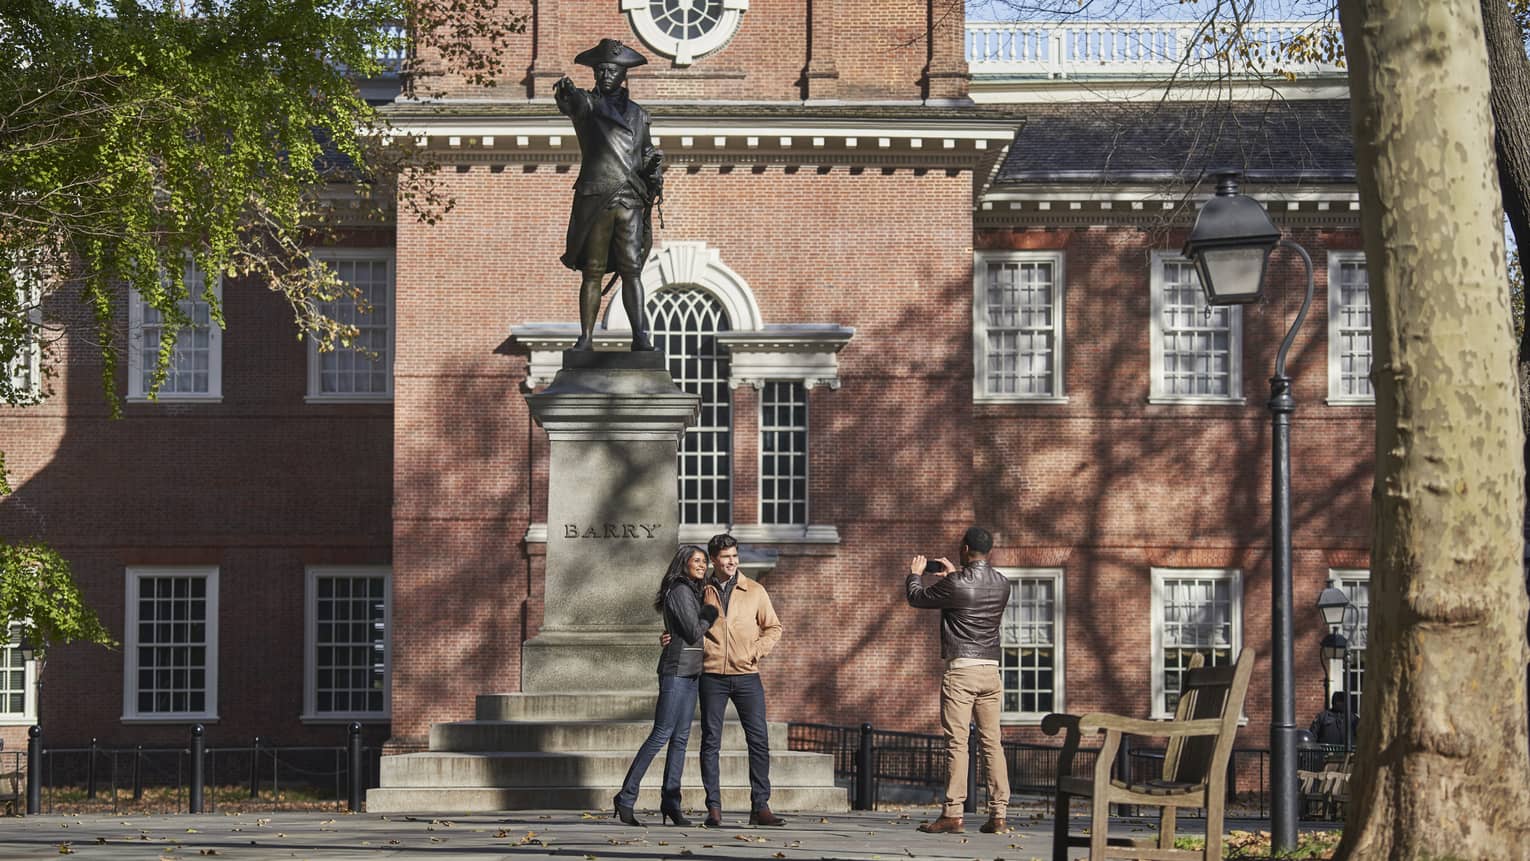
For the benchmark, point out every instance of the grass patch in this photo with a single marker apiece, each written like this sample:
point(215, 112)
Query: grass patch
point(1255, 846)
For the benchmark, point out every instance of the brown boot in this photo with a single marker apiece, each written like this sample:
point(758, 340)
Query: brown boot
point(994, 825)
point(762, 816)
point(943, 825)
point(714, 817)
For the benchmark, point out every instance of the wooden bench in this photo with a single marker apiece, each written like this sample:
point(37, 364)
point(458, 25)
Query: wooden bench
point(1194, 765)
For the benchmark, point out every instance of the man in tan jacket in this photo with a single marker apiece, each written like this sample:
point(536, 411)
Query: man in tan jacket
point(745, 631)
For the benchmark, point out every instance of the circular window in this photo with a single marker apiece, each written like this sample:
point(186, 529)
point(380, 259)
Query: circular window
point(685, 30)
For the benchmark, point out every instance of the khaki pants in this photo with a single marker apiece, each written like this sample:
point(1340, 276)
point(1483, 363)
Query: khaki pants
point(972, 694)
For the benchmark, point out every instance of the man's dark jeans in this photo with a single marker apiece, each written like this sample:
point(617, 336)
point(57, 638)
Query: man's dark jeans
point(671, 725)
point(748, 696)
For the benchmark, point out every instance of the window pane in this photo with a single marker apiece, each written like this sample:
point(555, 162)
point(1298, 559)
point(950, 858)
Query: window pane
point(1197, 619)
point(1198, 346)
point(172, 653)
point(1353, 322)
point(351, 661)
point(366, 367)
point(1020, 311)
point(1028, 641)
point(191, 356)
point(685, 324)
point(783, 446)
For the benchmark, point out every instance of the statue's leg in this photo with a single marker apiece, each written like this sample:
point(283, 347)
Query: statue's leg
point(596, 247)
point(637, 311)
point(589, 309)
point(627, 245)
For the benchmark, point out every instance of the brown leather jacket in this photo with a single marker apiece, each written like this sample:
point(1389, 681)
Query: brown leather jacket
point(745, 633)
point(971, 604)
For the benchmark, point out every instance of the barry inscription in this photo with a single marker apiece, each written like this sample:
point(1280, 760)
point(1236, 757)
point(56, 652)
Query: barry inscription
point(611, 530)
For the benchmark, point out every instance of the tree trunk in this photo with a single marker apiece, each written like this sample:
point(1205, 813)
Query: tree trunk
point(1444, 765)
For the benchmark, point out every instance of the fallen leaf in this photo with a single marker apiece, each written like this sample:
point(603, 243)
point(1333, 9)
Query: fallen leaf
point(824, 820)
point(779, 855)
point(100, 841)
point(65, 849)
point(207, 852)
point(740, 837)
point(684, 851)
point(191, 831)
point(501, 834)
point(395, 843)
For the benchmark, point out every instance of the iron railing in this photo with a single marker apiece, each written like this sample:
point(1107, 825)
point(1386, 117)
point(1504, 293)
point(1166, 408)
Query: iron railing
point(262, 775)
point(918, 761)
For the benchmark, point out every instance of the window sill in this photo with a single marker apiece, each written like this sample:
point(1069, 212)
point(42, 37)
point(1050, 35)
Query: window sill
point(169, 720)
point(321, 720)
point(18, 721)
point(347, 399)
point(176, 399)
point(1021, 719)
point(1351, 402)
point(767, 533)
point(1182, 400)
point(1013, 399)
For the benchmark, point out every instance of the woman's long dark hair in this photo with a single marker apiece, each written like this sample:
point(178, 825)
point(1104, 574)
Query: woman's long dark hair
point(676, 575)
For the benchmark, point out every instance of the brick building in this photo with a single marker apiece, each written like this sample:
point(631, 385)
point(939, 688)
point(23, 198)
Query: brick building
point(923, 273)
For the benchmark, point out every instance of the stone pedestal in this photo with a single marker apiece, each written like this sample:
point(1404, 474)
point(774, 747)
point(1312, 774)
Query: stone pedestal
point(614, 423)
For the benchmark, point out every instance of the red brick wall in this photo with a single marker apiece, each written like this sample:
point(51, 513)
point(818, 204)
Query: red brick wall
point(881, 50)
point(259, 485)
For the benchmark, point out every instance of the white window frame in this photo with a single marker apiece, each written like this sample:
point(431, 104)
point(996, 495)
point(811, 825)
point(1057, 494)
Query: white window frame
point(806, 428)
point(1059, 653)
point(311, 713)
point(1342, 576)
point(25, 370)
point(135, 576)
point(1336, 395)
point(980, 262)
point(1157, 394)
point(1234, 577)
point(28, 715)
point(314, 395)
point(214, 391)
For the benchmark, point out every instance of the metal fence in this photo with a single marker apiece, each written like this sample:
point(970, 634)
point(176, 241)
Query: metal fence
point(262, 775)
point(906, 760)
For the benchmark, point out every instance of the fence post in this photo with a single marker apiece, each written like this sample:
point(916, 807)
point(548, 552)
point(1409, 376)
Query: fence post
point(864, 771)
point(198, 751)
point(255, 769)
point(34, 769)
point(90, 772)
point(138, 773)
point(972, 767)
point(355, 751)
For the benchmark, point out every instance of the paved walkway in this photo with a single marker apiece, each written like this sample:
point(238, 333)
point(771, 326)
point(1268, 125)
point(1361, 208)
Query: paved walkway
point(875, 836)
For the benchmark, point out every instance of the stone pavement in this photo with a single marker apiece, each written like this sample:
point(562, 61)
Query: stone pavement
point(875, 836)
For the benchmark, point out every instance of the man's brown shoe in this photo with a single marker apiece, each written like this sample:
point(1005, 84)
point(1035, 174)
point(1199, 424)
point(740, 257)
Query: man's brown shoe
point(943, 825)
point(763, 816)
point(714, 817)
point(994, 825)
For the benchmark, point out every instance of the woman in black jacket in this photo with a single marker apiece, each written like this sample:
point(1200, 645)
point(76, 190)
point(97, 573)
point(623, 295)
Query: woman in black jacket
point(686, 619)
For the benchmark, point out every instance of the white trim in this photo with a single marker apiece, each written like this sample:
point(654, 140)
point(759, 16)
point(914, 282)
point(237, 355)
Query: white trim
point(1155, 621)
point(135, 576)
point(328, 255)
point(28, 714)
point(311, 575)
point(684, 51)
point(688, 263)
point(214, 393)
point(1059, 634)
point(980, 263)
point(25, 370)
point(1336, 396)
point(1156, 394)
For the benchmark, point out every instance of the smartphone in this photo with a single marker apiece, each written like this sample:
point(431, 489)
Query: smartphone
point(934, 566)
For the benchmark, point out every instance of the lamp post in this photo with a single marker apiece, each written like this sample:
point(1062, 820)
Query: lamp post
point(1335, 607)
point(1230, 246)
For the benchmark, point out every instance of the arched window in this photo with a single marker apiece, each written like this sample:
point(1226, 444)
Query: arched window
point(685, 321)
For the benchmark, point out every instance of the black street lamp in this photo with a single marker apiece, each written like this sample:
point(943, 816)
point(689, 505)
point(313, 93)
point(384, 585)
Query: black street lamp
point(1335, 606)
point(1230, 244)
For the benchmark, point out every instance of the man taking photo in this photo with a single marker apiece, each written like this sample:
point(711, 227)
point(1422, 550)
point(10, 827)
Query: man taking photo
point(971, 602)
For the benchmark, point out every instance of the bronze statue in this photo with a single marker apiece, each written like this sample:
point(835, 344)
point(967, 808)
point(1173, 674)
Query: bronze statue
point(610, 227)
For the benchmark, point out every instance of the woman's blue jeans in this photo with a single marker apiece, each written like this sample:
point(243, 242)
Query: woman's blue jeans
point(672, 725)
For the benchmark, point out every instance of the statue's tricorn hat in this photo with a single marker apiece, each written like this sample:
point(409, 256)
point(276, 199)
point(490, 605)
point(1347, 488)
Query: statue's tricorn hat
point(611, 51)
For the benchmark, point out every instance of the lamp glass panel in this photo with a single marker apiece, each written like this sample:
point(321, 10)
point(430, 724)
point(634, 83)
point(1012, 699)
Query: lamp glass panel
point(1232, 274)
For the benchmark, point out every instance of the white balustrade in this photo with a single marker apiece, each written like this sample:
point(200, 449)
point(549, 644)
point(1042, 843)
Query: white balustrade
point(1148, 48)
